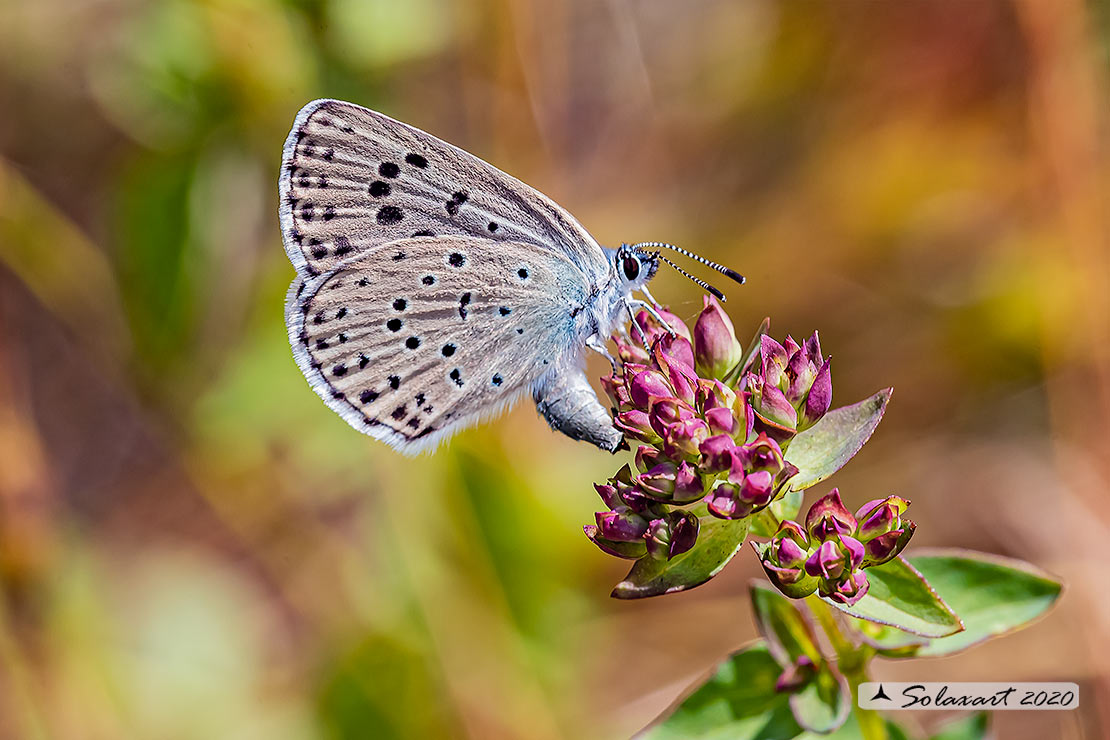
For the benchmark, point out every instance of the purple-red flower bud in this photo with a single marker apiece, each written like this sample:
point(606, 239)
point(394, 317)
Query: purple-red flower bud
point(835, 558)
point(828, 517)
point(717, 453)
point(783, 559)
point(713, 394)
point(672, 483)
point(848, 591)
point(715, 346)
point(681, 439)
point(615, 389)
point(608, 494)
point(886, 546)
point(622, 525)
point(819, 398)
point(674, 350)
point(648, 457)
point(757, 490)
point(882, 530)
point(763, 453)
point(671, 535)
point(669, 411)
point(636, 424)
point(629, 550)
point(721, 421)
point(774, 360)
point(647, 387)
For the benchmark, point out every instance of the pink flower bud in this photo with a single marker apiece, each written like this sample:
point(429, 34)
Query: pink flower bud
point(648, 387)
point(721, 421)
point(715, 347)
point(621, 525)
point(828, 516)
point(850, 590)
point(636, 424)
point(717, 453)
point(681, 439)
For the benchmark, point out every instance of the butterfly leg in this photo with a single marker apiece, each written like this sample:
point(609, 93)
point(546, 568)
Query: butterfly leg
point(650, 297)
point(655, 314)
point(597, 345)
point(639, 329)
point(566, 400)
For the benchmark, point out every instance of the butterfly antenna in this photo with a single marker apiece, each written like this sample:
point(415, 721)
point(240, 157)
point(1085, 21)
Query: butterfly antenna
point(719, 268)
point(699, 281)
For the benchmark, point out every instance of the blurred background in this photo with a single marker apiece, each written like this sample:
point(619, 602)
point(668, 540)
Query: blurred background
point(193, 546)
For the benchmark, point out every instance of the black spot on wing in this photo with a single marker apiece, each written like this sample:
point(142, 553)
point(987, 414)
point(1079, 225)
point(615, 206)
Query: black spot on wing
point(389, 215)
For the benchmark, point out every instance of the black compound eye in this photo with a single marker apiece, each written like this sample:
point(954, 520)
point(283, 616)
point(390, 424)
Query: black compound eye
point(631, 267)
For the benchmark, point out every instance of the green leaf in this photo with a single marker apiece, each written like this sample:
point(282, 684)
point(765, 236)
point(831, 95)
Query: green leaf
point(992, 594)
point(824, 448)
point(737, 702)
point(788, 506)
point(967, 728)
point(896, 732)
point(822, 705)
point(891, 642)
point(783, 626)
point(718, 541)
point(901, 597)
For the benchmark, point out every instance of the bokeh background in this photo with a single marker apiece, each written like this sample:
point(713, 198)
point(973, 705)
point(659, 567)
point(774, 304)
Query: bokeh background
point(193, 546)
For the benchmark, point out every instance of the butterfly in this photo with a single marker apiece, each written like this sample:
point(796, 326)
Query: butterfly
point(434, 290)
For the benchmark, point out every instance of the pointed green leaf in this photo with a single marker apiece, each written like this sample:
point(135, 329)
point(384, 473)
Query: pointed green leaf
point(891, 642)
point(822, 705)
point(901, 597)
point(824, 448)
point(737, 702)
point(718, 541)
point(783, 626)
point(992, 594)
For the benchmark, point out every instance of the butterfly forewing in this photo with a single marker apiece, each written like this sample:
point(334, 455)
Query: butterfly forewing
point(353, 179)
point(416, 338)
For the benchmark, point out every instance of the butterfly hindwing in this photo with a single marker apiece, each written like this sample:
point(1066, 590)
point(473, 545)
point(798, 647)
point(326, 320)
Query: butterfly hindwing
point(353, 179)
point(416, 338)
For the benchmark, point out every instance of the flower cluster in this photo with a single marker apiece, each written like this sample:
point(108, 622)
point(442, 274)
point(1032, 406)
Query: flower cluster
point(637, 525)
point(830, 552)
point(685, 397)
point(793, 388)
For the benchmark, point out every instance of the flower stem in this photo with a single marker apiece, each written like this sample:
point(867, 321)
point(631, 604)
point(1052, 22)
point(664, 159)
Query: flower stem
point(852, 662)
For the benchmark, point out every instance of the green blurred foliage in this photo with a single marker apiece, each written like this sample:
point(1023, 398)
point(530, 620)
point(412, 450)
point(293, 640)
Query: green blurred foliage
point(192, 545)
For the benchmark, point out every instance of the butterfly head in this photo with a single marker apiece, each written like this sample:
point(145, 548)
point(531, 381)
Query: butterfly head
point(635, 267)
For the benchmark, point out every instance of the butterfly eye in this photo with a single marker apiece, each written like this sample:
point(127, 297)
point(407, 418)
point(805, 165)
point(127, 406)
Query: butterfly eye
point(631, 267)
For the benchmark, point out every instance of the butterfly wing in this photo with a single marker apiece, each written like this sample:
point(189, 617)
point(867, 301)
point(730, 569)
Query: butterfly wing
point(353, 179)
point(414, 339)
